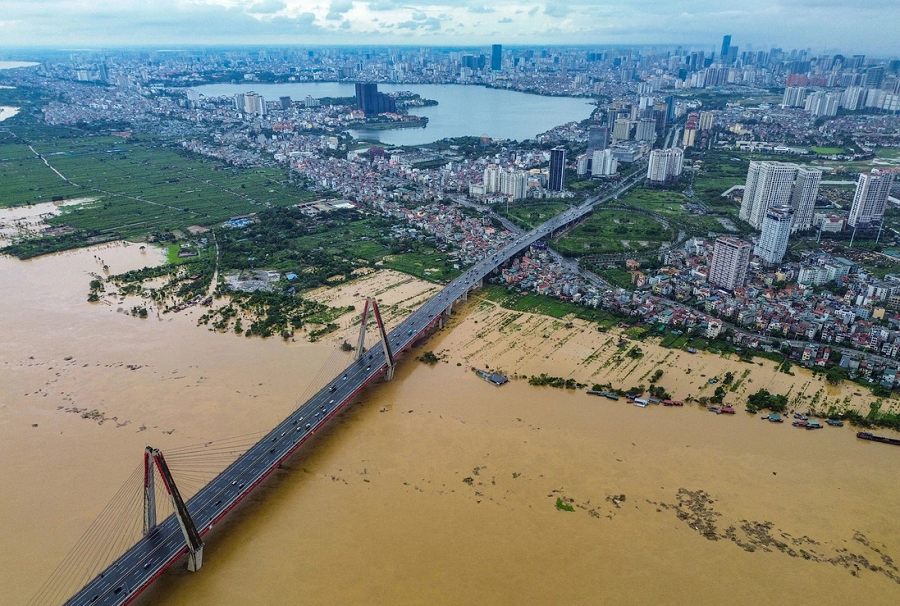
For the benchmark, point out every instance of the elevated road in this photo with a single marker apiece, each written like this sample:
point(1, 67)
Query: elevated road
point(125, 578)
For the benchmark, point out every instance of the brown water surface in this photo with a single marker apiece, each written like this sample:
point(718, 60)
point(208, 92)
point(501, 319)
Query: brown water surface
point(436, 488)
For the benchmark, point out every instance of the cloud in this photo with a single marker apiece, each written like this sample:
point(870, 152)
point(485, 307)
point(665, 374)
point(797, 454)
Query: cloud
point(479, 8)
point(556, 10)
point(267, 7)
point(431, 24)
point(419, 17)
point(505, 20)
point(340, 6)
point(534, 11)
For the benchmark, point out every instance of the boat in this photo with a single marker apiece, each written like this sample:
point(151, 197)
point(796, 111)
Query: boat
point(491, 377)
point(774, 418)
point(814, 424)
point(865, 435)
point(835, 423)
point(640, 403)
point(691, 350)
point(797, 415)
point(800, 423)
point(715, 409)
point(727, 410)
point(673, 403)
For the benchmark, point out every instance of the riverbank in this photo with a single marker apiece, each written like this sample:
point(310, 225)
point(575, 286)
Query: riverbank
point(436, 476)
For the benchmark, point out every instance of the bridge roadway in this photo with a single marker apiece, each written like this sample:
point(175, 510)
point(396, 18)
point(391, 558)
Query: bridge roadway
point(147, 559)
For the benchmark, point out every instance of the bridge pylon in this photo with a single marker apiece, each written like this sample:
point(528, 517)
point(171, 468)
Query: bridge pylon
point(372, 304)
point(188, 528)
point(149, 492)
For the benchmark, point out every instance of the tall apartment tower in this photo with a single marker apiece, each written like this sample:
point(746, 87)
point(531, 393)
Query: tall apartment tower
point(604, 163)
point(803, 198)
point(871, 195)
point(776, 230)
point(496, 57)
point(492, 179)
point(730, 259)
point(557, 169)
point(779, 184)
point(665, 165)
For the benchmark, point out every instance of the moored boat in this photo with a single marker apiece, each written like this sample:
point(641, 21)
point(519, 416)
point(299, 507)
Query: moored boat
point(865, 435)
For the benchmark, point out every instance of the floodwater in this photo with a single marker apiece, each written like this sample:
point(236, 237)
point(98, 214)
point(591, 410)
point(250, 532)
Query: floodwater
point(30, 220)
point(436, 488)
point(7, 111)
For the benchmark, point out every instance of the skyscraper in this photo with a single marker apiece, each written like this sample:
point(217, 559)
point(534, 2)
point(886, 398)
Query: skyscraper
point(557, 169)
point(371, 101)
point(496, 57)
point(776, 230)
point(872, 191)
point(730, 259)
point(779, 184)
point(598, 138)
point(726, 45)
point(803, 198)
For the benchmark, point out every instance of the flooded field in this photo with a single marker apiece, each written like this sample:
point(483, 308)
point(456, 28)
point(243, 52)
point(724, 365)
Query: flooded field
point(436, 488)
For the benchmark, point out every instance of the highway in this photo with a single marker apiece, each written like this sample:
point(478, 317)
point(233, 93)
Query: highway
point(123, 580)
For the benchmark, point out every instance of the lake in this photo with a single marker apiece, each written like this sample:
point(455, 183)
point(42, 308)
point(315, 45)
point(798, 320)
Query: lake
point(461, 110)
point(15, 64)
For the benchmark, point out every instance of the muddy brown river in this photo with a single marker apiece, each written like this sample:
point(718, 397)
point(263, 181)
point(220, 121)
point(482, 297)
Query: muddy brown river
point(435, 488)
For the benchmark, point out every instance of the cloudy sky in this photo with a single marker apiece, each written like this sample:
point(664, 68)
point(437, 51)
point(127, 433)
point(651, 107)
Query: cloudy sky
point(869, 26)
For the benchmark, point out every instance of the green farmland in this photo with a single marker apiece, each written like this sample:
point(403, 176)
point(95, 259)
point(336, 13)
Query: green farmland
point(134, 188)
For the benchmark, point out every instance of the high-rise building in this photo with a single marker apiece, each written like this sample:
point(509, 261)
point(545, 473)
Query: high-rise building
point(371, 101)
point(497, 57)
point(776, 231)
point(779, 184)
point(803, 197)
point(514, 183)
point(604, 163)
point(730, 259)
point(706, 121)
point(871, 195)
point(581, 164)
point(557, 169)
point(823, 104)
point(875, 76)
point(250, 103)
point(794, 96)
point(853, 98)
point(285, 102)
point(646, 130)
point(598, 138)
point(726, 45)
point(622, 129)
point(665, 165)
point(492, 179)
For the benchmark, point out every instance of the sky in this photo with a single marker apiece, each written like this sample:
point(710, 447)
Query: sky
point(846, 26)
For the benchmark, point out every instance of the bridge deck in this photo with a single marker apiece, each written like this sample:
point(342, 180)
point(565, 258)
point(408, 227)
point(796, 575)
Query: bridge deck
point(147, 559)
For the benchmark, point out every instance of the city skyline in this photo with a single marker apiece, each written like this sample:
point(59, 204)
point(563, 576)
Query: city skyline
point(828, 25)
